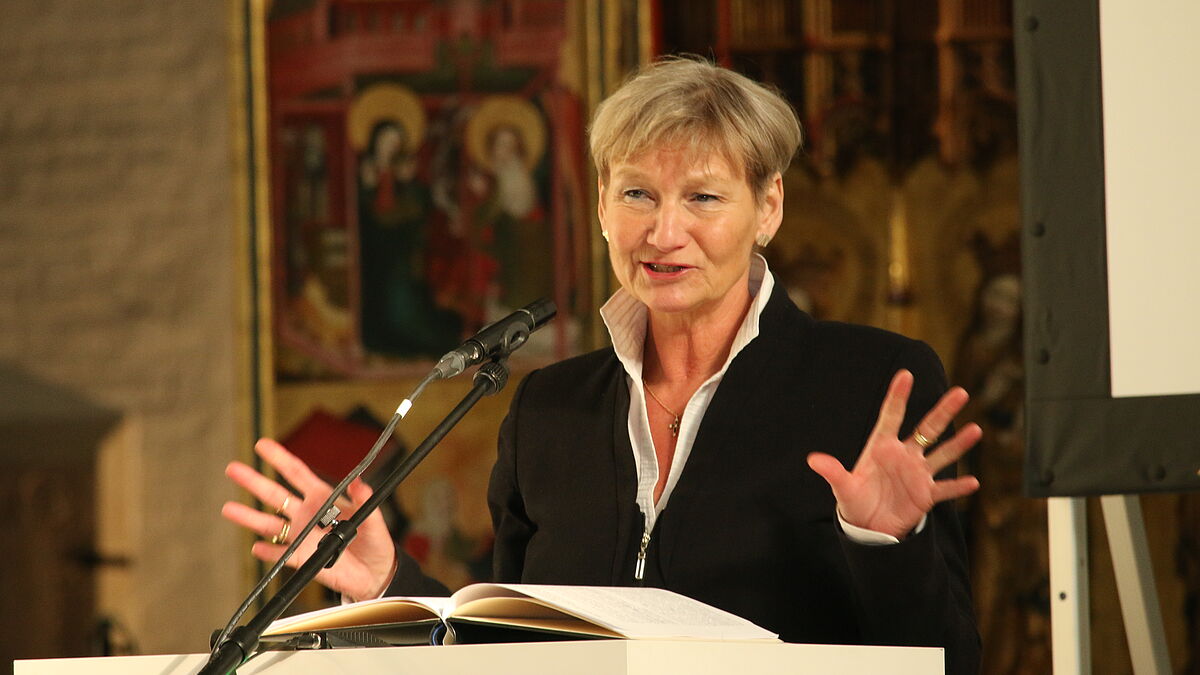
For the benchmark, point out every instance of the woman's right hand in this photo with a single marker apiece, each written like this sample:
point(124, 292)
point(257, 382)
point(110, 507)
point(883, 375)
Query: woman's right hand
point(367, 565)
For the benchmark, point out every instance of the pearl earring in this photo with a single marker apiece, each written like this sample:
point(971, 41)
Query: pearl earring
point(604, 233)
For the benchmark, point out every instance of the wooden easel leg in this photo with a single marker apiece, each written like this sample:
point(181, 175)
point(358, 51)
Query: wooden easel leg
point(1135, 583)
point(1070, 629)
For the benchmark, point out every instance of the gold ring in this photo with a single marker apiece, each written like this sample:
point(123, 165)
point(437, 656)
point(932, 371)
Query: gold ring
point(282, 510)
point(283, 533)
point(922, 440)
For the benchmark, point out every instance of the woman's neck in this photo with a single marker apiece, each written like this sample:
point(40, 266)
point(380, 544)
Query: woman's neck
point(691, 348)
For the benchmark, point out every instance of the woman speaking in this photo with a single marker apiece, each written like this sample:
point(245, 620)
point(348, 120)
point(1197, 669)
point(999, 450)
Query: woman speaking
point(727, 446)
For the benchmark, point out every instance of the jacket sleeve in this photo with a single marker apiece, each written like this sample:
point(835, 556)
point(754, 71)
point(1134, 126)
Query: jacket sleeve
point(512, 527)
point(917, 592)
point(410, 580)
point(510, 523)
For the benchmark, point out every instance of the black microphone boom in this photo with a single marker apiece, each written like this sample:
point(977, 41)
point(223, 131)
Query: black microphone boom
point(498, 339)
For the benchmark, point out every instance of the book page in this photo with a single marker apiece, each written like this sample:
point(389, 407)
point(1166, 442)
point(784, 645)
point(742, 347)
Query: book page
point(634, 612)
point(527, 612)
point(366, 613)
point(563, 623)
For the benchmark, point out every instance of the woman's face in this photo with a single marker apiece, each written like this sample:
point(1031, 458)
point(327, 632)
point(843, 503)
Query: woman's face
point(681, 227)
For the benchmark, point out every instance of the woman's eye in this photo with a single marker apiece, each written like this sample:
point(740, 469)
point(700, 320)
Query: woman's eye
point(634, 194)
point(705, 198)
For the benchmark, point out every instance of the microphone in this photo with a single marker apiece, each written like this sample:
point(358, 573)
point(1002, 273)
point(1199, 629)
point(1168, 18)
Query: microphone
point(498, 339)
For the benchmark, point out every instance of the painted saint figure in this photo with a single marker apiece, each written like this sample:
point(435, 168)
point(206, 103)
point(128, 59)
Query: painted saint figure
point(398, 314)
point(506, 140)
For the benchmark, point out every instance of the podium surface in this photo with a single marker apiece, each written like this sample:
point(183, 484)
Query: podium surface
point(592, 657)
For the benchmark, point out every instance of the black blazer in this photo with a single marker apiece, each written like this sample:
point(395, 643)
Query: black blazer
point(749, 527)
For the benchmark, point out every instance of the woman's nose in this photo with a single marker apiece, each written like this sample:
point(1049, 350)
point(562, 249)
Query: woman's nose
point(669, 230)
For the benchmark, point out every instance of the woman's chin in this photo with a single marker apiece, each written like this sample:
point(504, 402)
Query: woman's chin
point(680, 297)
point(659, 302)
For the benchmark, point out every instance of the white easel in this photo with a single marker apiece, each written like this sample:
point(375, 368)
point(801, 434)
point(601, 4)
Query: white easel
point(1069, 603)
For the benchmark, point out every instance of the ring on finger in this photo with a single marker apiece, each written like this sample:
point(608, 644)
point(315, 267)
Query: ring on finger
point(281, 538)
point(282, 510)
point(923, 440)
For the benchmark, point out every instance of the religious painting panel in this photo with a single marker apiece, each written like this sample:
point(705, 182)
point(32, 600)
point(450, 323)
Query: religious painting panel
point(426, 177)
point(422, 173)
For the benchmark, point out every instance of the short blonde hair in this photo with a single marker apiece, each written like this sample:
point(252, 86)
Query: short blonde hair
point(689, 102)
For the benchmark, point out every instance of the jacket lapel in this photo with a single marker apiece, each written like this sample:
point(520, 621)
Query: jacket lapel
point(625, 489)
point(755, 372)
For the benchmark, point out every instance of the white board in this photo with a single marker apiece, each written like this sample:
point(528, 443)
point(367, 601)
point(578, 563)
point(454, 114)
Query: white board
point(1150, 65)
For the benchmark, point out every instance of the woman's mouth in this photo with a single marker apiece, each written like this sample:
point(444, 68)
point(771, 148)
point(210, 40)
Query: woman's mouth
point(661, 268)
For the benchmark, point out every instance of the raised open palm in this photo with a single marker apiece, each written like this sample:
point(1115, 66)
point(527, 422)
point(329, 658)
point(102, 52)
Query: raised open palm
point(893, 484)
point(366, 566)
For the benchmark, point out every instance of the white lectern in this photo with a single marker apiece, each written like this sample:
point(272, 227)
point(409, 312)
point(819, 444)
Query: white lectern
point(598, 657)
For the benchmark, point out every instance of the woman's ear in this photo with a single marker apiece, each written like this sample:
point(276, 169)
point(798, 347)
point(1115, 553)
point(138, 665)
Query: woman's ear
point(600, 201)
point(771, 209)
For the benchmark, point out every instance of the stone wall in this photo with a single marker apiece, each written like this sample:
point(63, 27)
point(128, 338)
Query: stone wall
point(117, 267)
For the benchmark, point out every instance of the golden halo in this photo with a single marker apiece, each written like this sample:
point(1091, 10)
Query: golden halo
point(383, 102)
point(510, 111)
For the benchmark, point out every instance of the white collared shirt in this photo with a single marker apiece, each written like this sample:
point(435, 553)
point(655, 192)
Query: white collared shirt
point(626, 319)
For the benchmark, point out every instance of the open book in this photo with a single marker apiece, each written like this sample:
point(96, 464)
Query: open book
point(520, 613)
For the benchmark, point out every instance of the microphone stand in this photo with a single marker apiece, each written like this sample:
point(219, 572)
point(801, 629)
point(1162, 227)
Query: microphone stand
point(242, 642)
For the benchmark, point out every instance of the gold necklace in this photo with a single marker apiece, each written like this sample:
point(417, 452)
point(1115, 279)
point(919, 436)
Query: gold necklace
point(674, 425)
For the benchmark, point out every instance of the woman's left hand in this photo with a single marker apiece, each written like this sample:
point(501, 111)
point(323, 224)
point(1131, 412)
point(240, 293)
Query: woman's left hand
point(893, 484)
